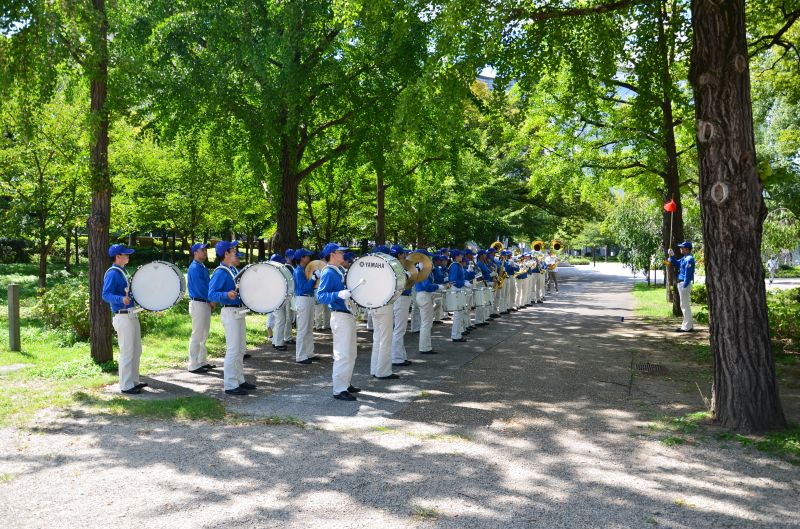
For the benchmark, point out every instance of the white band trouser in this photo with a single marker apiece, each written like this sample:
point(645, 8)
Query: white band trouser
point(425, 304)
point(343, 328)
point(305, 334)
point(512, 292)
point(287, 328)
point(401, 308)
point(235, 346)
point(685, 295)
point(279, 327)
point(129, 336)
point(383, 325)
point(458, 318)
point(200, 311)
point(415, 321)
point(438, 307)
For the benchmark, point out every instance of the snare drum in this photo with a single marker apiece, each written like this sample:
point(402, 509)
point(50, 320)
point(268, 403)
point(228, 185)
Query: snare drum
point(453, 300)
point(158, 286)
point(480, 295)
point(375, 280)
point(265, 287)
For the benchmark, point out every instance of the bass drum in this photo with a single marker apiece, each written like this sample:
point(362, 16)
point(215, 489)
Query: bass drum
point(158, 286)
point(375, 280)
point(265, 287)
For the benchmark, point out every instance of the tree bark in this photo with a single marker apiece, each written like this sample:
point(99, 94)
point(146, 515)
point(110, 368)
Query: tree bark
point(77, 252)
point(745, 391)
point(286, 234)
point(98, 222)
point(380, 207)
point(68, 250)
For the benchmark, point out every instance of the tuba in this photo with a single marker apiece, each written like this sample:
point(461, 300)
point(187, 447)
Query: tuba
point(497, 245)
point(556, 245)
point(537, 245)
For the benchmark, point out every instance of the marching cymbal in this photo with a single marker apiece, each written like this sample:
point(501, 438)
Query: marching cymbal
point(312, 267)
point(427, 265)
point(412, 270)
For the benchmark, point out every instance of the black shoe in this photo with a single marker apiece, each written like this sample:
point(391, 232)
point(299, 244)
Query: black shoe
point(133, 391)
point(483, 323)
point(280, 347)
point(247, 385)
point(459, 340)
point(403, 363)
point(291, 342)
point(305, 362)
point(141, 385)
point(344, 396)
point(471, 328)
point(387, 377)
point(353, 389)
point(431, 352)
point(199, 371)
point(209, 366)
point(493, 316)
point(683, 330)
point(247, 355)
point(237, 391)
point(370, 330)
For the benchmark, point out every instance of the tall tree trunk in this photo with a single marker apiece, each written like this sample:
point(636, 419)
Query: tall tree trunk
point(77, 251)
point(286, 234)
point(380, 206)
point(261, 250)
point(671, 223)
point(98, 222)
point(164, 247)
point(42, 263)
point(745, 391)
point(174, 248)
point(68, 250)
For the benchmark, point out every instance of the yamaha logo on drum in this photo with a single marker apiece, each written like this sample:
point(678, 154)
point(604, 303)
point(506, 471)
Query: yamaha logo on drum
point(371, 265)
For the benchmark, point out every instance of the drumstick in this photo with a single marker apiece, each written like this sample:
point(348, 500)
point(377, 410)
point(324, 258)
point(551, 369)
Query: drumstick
point(360, 282)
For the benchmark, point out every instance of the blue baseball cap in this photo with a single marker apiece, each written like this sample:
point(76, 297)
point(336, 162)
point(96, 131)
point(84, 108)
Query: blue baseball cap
point(481, 252)
point(685, 244)
point(455, 253)
point(491, 250)
point(276, 258)
point(381, 249)
point(438, 257)
point(332, 247)
point(468, 252)
point(443, 250)
point(289, 254)
point(199, 246)
point(423, 252)
point(116, 249)
point(349, 257)
point(397, 249)
point(223, 246)
point(299, 254)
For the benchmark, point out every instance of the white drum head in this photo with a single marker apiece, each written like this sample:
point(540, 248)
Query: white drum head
point(375, 280)
point(157, 286)
point(265, 287)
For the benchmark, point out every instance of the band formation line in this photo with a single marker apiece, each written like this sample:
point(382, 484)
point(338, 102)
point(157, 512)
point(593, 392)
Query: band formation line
point(386, 287)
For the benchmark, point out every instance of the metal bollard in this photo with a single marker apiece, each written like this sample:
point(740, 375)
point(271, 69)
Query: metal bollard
point(13, 317)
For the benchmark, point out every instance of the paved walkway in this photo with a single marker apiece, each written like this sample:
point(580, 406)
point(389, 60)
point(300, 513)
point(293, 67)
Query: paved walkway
point(540, 420)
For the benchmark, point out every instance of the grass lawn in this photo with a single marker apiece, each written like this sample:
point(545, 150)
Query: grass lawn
point(52, 371)
point(651, 303)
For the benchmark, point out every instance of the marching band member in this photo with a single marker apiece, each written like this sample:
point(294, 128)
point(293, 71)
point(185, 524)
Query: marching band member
point(439, 279)
point(116, 292)
point(511, 269)
point(278, 317)
point(401, 308)
point(456, 276)
point(290, 315)
point(197, 280)
point(539, 272)
point(521, 280)
point(494, 268)
point(333, 292)
point(304, 290)
point(482, 313)
point(382, 324)
point(469, 275)
point(424, 290)
point(552, 270)
point(222, 290)
point(685, 267)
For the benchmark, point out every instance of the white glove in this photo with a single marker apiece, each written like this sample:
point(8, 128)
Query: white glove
point(343, 294)
point(670, 252)
point(467, 284)
point(408, 274)
point(439, 287)
point(419, 267)
point(316, 274)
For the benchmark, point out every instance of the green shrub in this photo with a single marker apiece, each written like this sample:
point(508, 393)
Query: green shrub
point(699, 294)
point(65, 307)
point(784, 317)
point(578, 261)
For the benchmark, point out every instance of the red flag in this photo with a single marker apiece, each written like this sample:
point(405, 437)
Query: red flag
point(670, 206)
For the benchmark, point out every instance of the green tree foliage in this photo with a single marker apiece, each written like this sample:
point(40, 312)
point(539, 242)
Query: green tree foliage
point(635, 222)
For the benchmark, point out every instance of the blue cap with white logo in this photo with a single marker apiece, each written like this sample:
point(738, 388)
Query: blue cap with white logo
point(117, 249)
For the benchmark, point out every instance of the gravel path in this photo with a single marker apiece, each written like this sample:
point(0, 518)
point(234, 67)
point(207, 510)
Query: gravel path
point(538, 421)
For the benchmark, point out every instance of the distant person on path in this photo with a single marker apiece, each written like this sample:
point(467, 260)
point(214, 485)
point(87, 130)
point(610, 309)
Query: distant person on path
point(772, 267)
point(116, 292)
point(199, 310)
point(685, 267)
point(552, 270)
